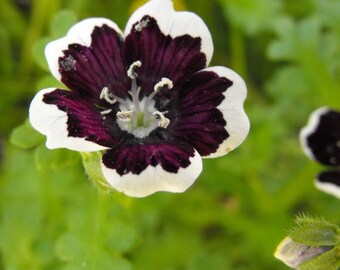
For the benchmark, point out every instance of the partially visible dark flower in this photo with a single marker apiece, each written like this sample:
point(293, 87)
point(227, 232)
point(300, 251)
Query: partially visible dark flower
point(145, 98)
point(320, 140)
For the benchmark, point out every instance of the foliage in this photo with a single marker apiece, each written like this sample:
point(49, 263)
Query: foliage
point(52, 217)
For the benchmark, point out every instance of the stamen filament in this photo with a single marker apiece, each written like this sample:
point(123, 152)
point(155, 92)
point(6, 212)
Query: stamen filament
point(146, 106)
point(112, 99)
point(106, 112)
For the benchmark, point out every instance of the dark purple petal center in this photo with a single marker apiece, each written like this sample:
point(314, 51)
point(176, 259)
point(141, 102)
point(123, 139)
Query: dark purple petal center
point(135, 158)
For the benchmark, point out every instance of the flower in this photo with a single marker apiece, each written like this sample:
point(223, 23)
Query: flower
point(144, 97)
point(320, 140)
point(294, 254)
point(312, 244)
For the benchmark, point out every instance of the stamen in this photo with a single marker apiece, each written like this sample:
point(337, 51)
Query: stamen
point(125, 116)
point(163, 82)
point(131, 71)
point(106, 112)
point(163, 121)
point(106, 95)
point(142, 24)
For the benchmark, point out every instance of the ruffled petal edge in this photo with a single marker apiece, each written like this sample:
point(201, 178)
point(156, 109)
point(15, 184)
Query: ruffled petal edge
point(174, 23)
point(154, 179)
point(231, 107)
point(80, 33)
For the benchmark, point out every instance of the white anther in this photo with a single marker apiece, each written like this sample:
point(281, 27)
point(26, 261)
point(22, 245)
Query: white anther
point(131, 71)
point(125, 116)
point(163, 121)
point(142, 24)
point(106, 112)
point(106, 95)
point(163, 82)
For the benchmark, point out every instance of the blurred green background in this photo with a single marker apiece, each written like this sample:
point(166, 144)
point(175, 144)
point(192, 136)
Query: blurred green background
point(52, 217)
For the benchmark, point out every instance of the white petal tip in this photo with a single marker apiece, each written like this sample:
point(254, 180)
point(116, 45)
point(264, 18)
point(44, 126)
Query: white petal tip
point(329, 188)
point(238, 124)
point(154, 179)
point(52, 122)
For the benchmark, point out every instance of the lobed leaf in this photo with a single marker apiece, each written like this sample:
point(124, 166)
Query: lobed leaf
point(25, 136)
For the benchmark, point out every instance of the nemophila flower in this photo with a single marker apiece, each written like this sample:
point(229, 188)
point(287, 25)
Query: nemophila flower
point(320, 140)
point(145, 98)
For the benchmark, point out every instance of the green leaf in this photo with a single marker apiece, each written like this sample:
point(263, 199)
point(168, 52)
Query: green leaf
point(104, 262)
point(68, 247)
point(25, 136)
point(284, 47)
point(62, 22)
point(49, 81)
point(314, 232)
point(252, 16)
point(97, 237)
point(92, 165)
point(54, 159)
point(38, 52)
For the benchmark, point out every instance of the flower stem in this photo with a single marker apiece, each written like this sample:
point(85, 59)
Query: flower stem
point(238, 55)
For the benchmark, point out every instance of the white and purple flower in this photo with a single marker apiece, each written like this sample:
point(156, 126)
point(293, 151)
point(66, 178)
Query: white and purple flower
point(320, 140)
point(145, 98)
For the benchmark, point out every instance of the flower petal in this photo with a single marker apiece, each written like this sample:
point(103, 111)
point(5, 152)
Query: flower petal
point(174, 23)
point(169, 44)
point(329, 182)
point(162, 56)
point(320, 139)
point(67, 123)
point(89, 57)
point(211, 116)
point(139, 170)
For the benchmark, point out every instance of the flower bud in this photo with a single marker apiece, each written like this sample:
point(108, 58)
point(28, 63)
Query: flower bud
point(294, 254)
point(314, 244)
